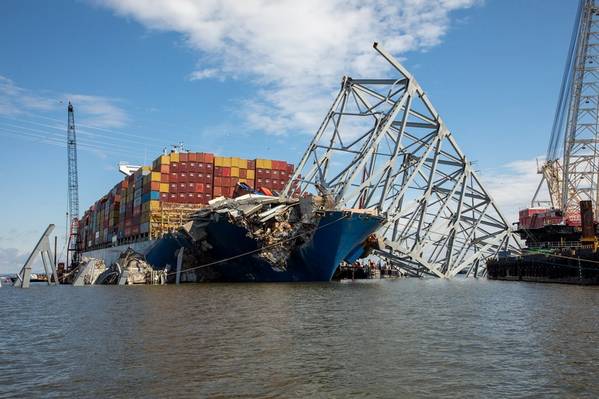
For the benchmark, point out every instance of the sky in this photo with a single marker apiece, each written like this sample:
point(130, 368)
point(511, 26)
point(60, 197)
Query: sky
point(255, 79)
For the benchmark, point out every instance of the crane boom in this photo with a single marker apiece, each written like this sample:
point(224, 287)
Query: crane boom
point(73, 187)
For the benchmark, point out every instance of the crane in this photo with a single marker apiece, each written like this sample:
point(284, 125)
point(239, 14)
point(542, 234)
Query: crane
point(73, 190)
point(570, 171)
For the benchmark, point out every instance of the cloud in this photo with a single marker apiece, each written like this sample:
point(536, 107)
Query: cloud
point(294, 51)
point(11, 260)
point(97, 111)
point(15, 100)
point(512, 185)
point(203, 74)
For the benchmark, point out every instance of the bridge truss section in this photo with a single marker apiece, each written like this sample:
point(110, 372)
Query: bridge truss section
point(383, 147)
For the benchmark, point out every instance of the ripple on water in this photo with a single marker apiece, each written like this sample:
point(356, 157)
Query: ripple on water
point(406, 338)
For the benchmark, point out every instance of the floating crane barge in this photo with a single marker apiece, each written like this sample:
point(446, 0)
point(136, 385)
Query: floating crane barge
point(561, 231)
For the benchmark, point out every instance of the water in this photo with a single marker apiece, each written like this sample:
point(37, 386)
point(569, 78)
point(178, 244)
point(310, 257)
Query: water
point(406, 338)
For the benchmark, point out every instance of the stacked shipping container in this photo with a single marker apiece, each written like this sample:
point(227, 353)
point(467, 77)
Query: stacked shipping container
point(133, 209)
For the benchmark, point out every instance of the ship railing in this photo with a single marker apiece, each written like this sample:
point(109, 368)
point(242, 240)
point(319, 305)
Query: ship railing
point(556, 244)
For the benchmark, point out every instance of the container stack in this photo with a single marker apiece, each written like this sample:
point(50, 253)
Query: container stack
point(228, 171)
point(157, 199)
point(189, 178)
point(272, 175)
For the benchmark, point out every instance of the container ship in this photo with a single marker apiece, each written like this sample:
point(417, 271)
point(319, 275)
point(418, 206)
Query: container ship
point(221, 219)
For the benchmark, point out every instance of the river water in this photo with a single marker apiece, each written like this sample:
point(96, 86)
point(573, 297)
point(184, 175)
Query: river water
point(404, 338)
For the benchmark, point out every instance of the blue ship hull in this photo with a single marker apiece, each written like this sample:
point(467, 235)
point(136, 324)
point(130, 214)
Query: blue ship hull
point(339, 236)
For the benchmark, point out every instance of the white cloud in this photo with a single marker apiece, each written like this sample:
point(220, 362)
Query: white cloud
point(15, 100)
point(203, 74)
point(512, 186)
point(99, 111)
point(296, 51)
point(11, 260)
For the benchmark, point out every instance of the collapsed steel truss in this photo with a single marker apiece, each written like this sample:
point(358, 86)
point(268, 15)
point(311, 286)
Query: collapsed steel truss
point(383, 146)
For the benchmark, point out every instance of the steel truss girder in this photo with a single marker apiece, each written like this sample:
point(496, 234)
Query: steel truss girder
point(383, 146)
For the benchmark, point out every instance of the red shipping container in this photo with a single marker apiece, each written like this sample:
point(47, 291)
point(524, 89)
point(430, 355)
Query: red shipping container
point(242, 173)
point(192, 157)
point(182, 177)
point(218, 171)
point(209, 167)
point(251, 164)
point(207, 188)
point(233, 182)
point(183, 167)
point(201, 167)
point(192, 176)
point(199, 187)
point(290, 168)
point(208, 158)
point(173, 177)
point(165, 169)
point(155, 186)
point(164, 196)
point(183, 157)
point(218, 191)
point(164, 178)
point(182, 197)
point(191, 187)
point(208, 178)
point(174, 188)
point(172, 197)
point(218, 181)
point(182, 188)
point(174, 167)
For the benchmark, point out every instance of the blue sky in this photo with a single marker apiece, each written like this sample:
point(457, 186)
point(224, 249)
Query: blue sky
point(254, 79)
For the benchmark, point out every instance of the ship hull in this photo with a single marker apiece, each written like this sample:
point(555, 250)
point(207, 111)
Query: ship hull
point(338, 234)
point(235, 257)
